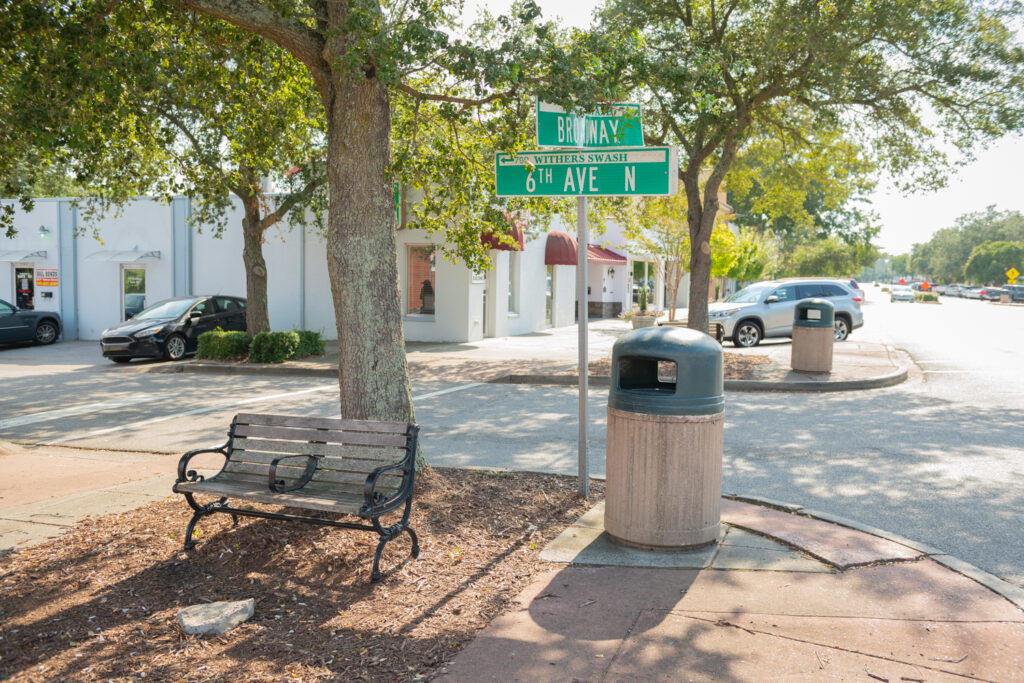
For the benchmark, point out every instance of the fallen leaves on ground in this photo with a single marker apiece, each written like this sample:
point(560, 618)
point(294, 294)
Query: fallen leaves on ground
point(101, 601)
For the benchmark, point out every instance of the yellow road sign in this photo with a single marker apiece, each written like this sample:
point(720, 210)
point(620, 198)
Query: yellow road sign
point(1012, 275)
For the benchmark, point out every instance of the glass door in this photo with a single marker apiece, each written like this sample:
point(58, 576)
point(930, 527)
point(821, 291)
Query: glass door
point(24, 287)
point(133, 291)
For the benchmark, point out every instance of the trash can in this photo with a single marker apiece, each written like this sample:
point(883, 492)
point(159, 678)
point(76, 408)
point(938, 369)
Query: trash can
point(664, 450)
point(813, 333)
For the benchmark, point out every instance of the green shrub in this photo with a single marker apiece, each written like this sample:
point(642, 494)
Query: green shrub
point(273, 347)
point(310, 344)
point(926, 296)
point(885, 289)
point(223, 345)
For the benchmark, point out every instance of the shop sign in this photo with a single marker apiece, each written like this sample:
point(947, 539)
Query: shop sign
point(46, 277)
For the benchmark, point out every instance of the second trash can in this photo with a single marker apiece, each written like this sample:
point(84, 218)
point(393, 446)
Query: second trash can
point(813, 333)
point(664, 451)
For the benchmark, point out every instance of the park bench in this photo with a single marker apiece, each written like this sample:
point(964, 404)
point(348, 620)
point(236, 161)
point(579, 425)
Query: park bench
point(311, 463)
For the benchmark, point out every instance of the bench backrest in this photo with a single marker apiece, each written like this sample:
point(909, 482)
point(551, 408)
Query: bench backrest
point(347, 450)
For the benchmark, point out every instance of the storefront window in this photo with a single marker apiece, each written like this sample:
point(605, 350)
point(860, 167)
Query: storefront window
point(513, 282)
point(420, 279)
point(24, 287)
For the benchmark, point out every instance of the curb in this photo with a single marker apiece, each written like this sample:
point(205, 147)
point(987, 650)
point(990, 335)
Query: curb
point(893, 378)
point(256, 369)
point(1003, 589)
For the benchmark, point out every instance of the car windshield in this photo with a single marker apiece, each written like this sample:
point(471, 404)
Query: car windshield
point(748, 295)
point(165, 309)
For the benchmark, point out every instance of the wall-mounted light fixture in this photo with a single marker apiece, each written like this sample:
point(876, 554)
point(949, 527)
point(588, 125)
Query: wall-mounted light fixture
point(611, 272)
point(44, 231)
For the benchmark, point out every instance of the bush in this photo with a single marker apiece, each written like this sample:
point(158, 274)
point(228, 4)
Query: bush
point(885, 289)
point(222, 345)
point(310, 344)
point(926, 296)
point(273, 347)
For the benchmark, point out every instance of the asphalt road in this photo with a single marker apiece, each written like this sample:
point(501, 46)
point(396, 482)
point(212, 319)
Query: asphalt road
point(938, 459)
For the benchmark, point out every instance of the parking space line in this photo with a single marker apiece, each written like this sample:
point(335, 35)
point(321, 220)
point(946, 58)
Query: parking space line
point(195, 411)
point(7, 423)
point(450, 390)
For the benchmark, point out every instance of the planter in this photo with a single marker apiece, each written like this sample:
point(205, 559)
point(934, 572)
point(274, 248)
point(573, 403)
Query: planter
point(643, 321)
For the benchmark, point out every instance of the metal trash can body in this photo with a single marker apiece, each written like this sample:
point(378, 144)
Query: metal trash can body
point(664, 449)
point(813, 336)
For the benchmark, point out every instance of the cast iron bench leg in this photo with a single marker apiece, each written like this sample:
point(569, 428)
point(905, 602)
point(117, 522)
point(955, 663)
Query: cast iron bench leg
point(200, 512)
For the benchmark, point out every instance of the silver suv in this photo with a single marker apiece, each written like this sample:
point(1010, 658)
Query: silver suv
point(765, 309)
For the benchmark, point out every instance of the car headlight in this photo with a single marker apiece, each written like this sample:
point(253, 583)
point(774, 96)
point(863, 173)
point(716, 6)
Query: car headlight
point(724, 314)
point(148, 332)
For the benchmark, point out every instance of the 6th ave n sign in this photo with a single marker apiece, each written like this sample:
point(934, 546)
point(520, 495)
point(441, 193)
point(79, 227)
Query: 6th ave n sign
point(643, 171)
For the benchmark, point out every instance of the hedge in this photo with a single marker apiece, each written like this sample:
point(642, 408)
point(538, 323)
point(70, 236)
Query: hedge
point(273, 347)
point(222, 345)
point(926, 296)
point(310, 344)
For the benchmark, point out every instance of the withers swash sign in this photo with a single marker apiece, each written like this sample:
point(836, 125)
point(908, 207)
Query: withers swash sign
point(647, 171)
point(619, 126)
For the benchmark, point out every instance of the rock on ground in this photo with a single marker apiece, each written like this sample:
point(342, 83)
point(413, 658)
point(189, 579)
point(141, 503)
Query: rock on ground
point(215, 617)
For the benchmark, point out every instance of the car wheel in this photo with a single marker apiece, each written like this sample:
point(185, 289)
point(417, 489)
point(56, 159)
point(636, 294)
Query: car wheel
point(46, 333)
point(747, 334)
point(842, 330)
point(120, 360)
point(174, 347)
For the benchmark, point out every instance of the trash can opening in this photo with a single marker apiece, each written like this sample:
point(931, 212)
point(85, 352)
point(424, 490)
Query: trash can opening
point(648, 375)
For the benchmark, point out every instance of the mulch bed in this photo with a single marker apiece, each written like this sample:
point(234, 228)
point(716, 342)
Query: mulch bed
point(735, 366)
point(101, 601)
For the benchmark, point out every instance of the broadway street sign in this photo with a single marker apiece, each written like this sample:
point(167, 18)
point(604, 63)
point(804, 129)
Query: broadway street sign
point(620, 127)
point(647, 171)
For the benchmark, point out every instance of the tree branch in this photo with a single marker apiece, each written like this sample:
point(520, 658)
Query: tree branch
point(469, 102)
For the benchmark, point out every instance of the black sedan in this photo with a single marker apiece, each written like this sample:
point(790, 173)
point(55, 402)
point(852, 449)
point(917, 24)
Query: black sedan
point(170, 329)
point(20, 325)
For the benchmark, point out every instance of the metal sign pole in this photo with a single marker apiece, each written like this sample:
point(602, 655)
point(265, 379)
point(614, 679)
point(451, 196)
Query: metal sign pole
point(581, 297)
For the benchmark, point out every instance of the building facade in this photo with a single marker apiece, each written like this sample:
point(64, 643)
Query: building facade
point(150, 251)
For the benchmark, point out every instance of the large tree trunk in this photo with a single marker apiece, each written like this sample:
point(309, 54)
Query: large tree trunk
point(257, 316)
point(361, 253)
point(701, 221)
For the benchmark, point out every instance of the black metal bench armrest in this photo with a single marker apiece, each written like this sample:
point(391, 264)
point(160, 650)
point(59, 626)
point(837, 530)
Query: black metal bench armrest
point(279, 485)
point(375, 503)
point(185, 474)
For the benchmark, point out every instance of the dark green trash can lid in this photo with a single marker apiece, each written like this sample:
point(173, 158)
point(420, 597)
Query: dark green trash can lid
point(814, 313)
point(643, 380)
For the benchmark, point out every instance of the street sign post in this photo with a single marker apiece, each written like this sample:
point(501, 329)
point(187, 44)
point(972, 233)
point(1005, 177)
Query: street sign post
point(619, 127)
point(646, 171)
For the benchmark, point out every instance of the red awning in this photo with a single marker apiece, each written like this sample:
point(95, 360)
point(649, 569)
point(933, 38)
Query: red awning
point(560, 249)
point(604, 257)
point(492, 241)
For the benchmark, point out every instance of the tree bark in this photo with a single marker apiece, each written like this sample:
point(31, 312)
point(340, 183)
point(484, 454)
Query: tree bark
point(361, 254)
point(257, 315)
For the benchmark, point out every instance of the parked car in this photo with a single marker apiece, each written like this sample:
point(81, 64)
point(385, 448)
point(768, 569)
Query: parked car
point(765, 309)
point(852, 284)
point(1016, 293)
point(170, 329)
point(901, 293)
point(21, 325)
point(991, 293)
point(133, 304)
point(971, 292)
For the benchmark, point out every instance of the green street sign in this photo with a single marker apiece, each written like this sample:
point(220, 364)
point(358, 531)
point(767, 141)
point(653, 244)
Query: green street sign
point(646, 171)
point(619, 127)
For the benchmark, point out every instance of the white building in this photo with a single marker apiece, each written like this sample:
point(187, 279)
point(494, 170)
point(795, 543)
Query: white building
point(150, 252)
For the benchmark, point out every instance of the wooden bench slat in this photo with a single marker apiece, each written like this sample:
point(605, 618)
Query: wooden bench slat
point(379, 454)
point(339, 502)
point(325, 462)
point(258, 483)
point(322, 422)
point(292, 473)
point(327, 436)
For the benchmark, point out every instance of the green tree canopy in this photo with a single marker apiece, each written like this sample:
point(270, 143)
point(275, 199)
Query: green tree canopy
point(831, 257)
point(989, 262)
point(897, 75)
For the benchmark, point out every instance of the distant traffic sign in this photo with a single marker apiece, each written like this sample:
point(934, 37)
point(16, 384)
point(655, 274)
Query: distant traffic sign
point(647, 171)
point(1012, 276)
point(925, 286)
point(619, 127)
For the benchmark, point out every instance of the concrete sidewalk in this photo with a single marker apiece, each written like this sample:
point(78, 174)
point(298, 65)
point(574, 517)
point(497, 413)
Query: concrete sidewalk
point(781, 596)
point(543, 358)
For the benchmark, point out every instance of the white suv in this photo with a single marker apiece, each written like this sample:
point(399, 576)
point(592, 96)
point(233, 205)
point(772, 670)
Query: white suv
point(765, 309)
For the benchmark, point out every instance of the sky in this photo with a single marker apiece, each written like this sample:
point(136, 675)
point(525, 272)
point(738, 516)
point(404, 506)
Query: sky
point(996, 177)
